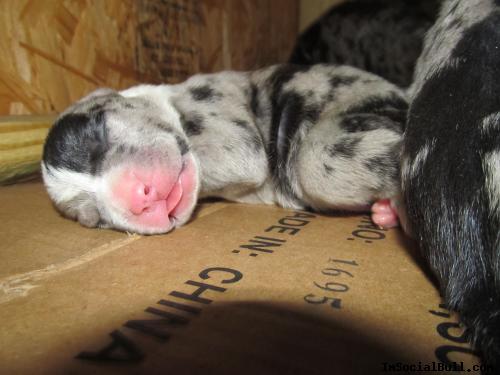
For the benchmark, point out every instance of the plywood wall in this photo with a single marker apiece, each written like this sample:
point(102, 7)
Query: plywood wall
point(55, 51)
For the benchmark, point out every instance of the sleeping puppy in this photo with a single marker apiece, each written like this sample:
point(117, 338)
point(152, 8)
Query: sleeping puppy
point(323, 138)
point(451, 164)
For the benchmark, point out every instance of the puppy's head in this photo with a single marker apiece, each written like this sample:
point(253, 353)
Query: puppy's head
point(121, 162)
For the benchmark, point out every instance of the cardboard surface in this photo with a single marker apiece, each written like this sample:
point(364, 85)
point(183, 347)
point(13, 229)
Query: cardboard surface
point(241, 289)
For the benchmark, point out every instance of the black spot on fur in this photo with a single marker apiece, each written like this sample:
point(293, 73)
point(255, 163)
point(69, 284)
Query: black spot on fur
point(163, 126)
point(328, 169)
point(288, 113)
point(204, 93)
point(77, 142)
point(120, 150)
point(193, 128)
point(367, 122)
point(193, 125)
point(383, 165)
point(183, 146)
point(129, 105)
point(337, 81)
point(311, 112)
point(96, 108)
point(345, 148)
point(110, 103)
point(241, 123)
point(125, 150)
point(294, 114)
point(392, 106)
point(254, 101)
point(285, 106)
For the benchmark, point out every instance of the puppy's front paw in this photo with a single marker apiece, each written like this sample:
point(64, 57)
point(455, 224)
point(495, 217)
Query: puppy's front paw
point(384, 215)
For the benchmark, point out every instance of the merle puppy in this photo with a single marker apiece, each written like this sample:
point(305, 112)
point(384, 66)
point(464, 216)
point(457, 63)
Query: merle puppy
point(383, 37)
point(322, 137)
point(451, 164)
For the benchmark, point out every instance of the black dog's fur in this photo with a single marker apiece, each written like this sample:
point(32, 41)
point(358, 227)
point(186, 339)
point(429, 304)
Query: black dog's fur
point(380, 36)
point(451, 196)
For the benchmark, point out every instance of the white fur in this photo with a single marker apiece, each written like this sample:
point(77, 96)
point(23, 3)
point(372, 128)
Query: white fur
point(160, 95)
point(63, 185)
point(491, 165)
point(491, 123)
point(412, 169)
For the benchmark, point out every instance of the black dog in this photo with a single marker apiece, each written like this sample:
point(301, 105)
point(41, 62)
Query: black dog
point(451, 164)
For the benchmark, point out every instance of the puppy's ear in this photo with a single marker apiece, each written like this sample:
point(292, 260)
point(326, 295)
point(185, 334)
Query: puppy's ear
point(88, 215)
point(96, 93)
point(83, 104)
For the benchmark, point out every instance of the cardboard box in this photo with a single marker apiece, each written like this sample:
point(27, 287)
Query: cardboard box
point(241, 289)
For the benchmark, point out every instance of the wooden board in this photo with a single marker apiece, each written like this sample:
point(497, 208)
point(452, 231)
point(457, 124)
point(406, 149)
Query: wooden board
point(55, 51)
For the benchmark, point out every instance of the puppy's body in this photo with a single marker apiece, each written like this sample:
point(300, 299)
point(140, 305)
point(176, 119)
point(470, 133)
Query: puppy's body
point(451, 164)
point(322, 137)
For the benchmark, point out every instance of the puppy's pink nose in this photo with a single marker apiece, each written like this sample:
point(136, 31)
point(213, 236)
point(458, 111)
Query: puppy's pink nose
point(142, 196)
